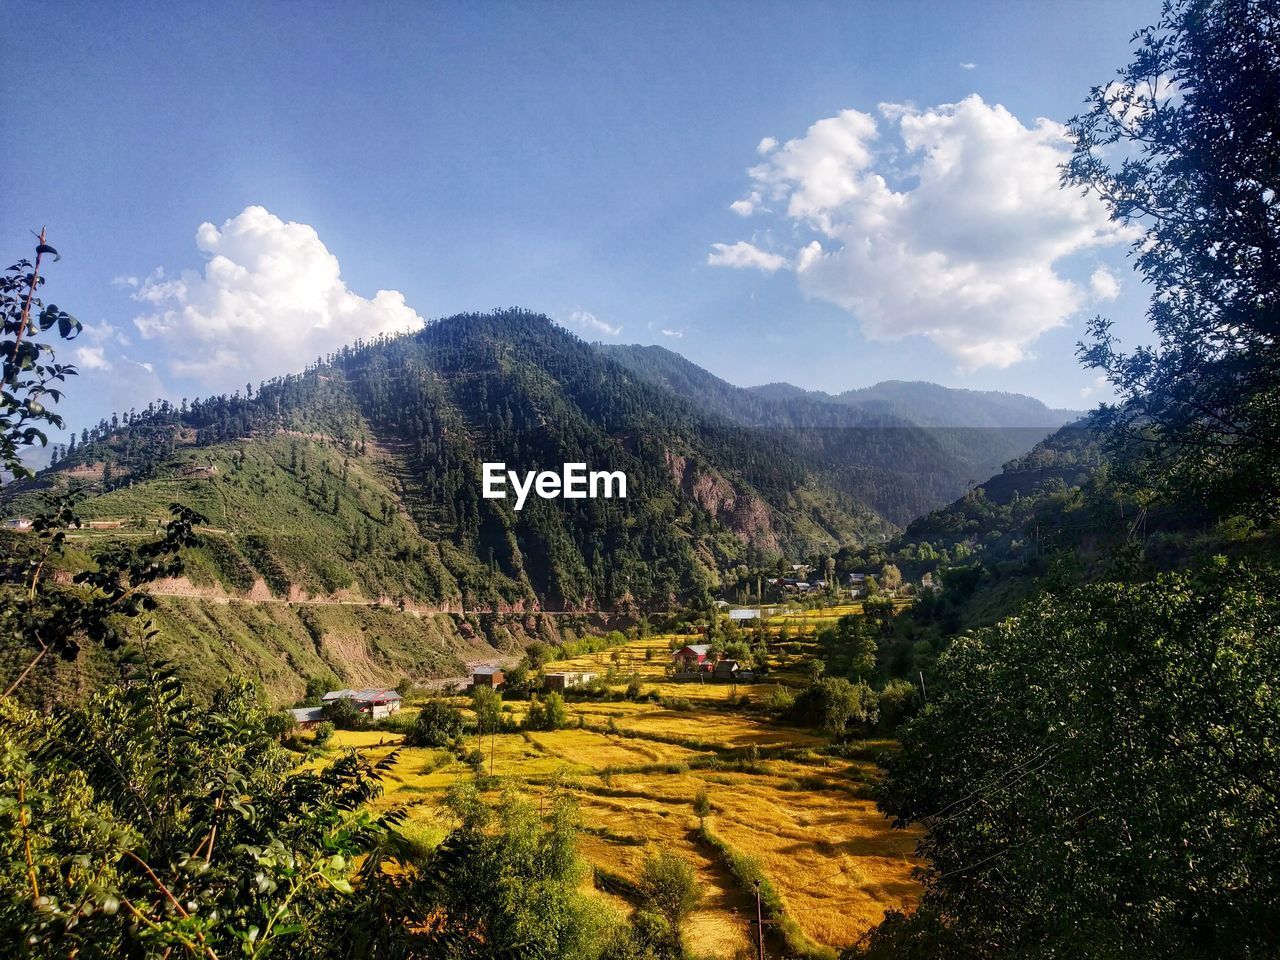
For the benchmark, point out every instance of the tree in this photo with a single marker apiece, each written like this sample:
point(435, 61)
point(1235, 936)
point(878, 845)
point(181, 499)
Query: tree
point(438, 724)
point(890, 577)
point(1184, 147)
point(1100, 776)
point(504, 885)
point(833, 704)
point(486, 704)
point(30, 371)
point(849, 648)
point(669, 888)
point(548, 714)
point(344, 714)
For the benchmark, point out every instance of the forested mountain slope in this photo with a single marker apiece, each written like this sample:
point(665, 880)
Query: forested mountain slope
point(904, 448)
point(364, 475)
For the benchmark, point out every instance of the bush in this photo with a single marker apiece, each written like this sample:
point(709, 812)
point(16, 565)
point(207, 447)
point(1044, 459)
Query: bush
point(324, 733)
point(897, 703)
point(437, 725)
point(834, 704)
point(780, 700)
point(345, 715)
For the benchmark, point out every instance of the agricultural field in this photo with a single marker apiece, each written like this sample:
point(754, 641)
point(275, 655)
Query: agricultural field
point(782, 805)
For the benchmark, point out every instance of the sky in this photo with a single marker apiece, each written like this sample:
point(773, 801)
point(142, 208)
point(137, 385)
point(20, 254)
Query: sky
point(826, 194)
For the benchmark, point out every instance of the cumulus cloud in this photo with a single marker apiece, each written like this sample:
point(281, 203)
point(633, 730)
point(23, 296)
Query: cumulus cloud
point(590, 322)
point(743, 255)
point(677, 334)
point(947, 223)
point(270, 298)
point(1104, 284)
point(92, 358)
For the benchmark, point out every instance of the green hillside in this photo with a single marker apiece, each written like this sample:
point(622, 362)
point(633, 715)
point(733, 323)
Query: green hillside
point(363, 475)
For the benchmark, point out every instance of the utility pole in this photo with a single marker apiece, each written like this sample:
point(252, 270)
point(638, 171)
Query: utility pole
point(759, 922)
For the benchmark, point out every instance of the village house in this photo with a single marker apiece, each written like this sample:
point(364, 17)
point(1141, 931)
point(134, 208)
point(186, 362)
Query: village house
point(487, 676)
point(745, 613)
point(377, 702)
point(18, 523)
point(566, 680)
point(692, 657)
point(307, 717)
point(727, 670)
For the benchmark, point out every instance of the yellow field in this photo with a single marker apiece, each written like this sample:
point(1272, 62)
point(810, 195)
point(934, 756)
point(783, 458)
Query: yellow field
point(635, 770)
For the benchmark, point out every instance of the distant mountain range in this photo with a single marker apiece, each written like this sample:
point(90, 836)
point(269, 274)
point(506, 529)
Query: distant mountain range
point(930, 405)
point(904, 448)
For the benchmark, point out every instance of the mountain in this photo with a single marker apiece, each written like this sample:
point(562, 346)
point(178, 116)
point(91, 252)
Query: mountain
point(903, 448)
point(931, 405)
point(362, 476)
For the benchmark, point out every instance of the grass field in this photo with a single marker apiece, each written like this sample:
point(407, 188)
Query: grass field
point(803, 816)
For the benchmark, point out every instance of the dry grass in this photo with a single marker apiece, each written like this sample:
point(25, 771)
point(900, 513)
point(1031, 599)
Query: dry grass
point(833, 858)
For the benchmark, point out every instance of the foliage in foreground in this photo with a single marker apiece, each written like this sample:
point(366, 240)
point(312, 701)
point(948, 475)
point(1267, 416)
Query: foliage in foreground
point(146, 823)
point(1101, 776)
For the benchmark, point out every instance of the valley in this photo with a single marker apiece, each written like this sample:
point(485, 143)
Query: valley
point(784, 804)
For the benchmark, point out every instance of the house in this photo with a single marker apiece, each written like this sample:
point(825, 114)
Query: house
point(745, 613)
point(727, 670)
point(857, 583)
point(819, 584)
point(307, 717)
point(692, 657)
point(566, 680)
point(487, 676)
point(18, 523)
point(377, 702)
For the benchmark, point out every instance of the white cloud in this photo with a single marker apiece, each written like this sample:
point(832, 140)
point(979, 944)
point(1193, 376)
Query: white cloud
point(92, 358)
point(677, 334)
point(589, 321)
point(270, 298)
point(967, 65)
point(743, 255)
point(1104, 284)
point(1099, 384)
point(951, 227)
point(765, 145)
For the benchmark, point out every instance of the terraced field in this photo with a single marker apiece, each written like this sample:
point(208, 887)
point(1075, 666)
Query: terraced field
point(779, 804)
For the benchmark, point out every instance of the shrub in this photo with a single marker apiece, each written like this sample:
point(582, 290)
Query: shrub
point(345, 715)
point(702, 804)
point(324, 733)
point(897, 703)
point(833, 704)
point(437, 725)
point(780, 700)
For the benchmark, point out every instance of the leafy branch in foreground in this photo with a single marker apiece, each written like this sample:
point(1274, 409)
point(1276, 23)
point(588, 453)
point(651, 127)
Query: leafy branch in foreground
point(45, 614)
point(146, 824)
point(29, 369)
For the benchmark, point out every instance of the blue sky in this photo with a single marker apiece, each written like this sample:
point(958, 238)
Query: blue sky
point(579, 159)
